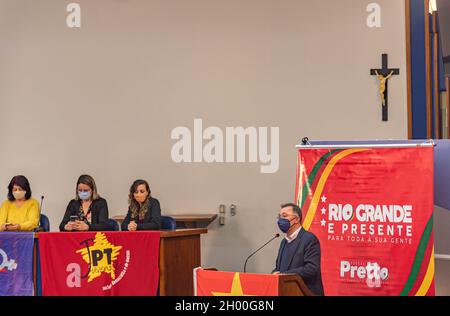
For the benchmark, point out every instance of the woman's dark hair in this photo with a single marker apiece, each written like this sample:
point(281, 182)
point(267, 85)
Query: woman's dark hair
point(134, 187)
point(22, 182)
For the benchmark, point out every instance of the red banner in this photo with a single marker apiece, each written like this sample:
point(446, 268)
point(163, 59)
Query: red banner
point(372, 210)
point(218, 283)
point(99, 263)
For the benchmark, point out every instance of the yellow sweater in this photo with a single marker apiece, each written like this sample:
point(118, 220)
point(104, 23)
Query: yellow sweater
point(27, 216)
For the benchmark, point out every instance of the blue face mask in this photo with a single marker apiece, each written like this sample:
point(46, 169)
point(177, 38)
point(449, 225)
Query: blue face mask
point(284, 224)
point(84, 195)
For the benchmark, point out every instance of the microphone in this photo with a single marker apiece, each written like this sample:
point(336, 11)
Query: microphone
point(245, 265)
point(39, 228)
point(42, 203)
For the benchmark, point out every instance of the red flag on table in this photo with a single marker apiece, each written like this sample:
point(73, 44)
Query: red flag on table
point(99, 263)
point(219, 283)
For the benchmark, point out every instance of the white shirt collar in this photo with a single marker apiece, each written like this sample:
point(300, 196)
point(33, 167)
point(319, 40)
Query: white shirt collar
point(294, 235)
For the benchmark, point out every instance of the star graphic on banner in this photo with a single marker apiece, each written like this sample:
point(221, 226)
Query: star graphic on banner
point(324, 210)
point(104, 265)
point(236, 288)
point(323, 222)
point(324, 198)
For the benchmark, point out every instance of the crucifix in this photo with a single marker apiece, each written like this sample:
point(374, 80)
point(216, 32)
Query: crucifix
point(384, 74)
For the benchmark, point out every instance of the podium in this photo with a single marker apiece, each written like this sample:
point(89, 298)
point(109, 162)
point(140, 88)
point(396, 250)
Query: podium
point(179, 254)
point(292, 285)
point(210, 282)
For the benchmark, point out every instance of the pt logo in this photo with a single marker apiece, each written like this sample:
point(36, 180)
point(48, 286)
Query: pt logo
point(6, 264)
point(100, 258)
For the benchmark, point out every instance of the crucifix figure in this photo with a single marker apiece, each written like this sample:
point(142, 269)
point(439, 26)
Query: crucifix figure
point(384, 74)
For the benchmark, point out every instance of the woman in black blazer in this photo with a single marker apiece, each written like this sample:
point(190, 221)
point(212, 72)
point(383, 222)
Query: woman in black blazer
point(144, 212)
point(88, 211)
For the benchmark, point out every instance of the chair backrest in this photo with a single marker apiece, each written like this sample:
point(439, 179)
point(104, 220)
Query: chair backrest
point(113, 224)
point(44, 223)
point(168, 223)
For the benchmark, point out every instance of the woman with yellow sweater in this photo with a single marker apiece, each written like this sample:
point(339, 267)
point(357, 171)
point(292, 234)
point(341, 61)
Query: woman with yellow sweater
point(20, 212)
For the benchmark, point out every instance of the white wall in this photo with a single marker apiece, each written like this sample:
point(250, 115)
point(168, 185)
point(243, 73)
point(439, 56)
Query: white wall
point(104, 99)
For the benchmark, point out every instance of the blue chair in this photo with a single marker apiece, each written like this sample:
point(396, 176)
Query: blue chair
point(168, 223)
point(44, 223)
point(113, 224)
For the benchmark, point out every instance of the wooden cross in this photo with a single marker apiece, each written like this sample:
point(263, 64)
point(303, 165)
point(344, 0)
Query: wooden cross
point(384, 74)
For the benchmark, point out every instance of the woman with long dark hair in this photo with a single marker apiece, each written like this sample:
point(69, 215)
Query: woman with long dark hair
point(144, 211)
point(20, 212)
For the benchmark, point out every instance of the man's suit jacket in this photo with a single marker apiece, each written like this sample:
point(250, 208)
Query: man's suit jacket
point(305, 261)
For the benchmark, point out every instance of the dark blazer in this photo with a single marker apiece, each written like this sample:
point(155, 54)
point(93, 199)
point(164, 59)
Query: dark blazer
point(99, 214)
point(305, 261)
point(151, 221)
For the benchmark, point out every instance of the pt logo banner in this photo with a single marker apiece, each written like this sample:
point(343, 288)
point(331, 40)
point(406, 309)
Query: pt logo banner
point(101, 263)
point(100, 257)
point(16, 264)
point(372, 210)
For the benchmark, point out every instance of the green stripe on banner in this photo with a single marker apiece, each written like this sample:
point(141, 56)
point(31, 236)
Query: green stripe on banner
point(418, 258)
point(313, 174)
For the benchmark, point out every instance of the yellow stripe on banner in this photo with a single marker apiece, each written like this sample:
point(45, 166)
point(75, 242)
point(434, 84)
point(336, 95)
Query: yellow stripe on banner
point(323, 179)
point(428, 279)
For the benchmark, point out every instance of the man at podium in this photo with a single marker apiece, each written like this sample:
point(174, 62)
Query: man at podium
point(299, 251)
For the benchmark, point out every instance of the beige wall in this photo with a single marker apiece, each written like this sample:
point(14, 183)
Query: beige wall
point(104, 99)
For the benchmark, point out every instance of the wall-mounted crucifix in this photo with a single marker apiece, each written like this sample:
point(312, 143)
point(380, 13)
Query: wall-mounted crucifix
point(384, 74)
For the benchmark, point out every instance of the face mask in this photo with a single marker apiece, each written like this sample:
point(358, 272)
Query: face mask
point(140, 197)
point(284, 224)
point(18, 195)
point(84, 195)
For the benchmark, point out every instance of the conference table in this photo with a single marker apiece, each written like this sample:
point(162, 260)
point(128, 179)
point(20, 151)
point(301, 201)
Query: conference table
point(179, 254)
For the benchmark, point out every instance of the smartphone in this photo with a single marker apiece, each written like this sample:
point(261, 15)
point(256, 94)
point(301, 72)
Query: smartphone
point(73, 218)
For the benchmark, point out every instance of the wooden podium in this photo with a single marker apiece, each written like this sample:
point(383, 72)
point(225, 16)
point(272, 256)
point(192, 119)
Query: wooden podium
point(209, 281)
point(292, 285)
point(179, 254)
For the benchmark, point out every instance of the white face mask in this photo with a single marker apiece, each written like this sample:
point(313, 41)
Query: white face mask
point(19, 195)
